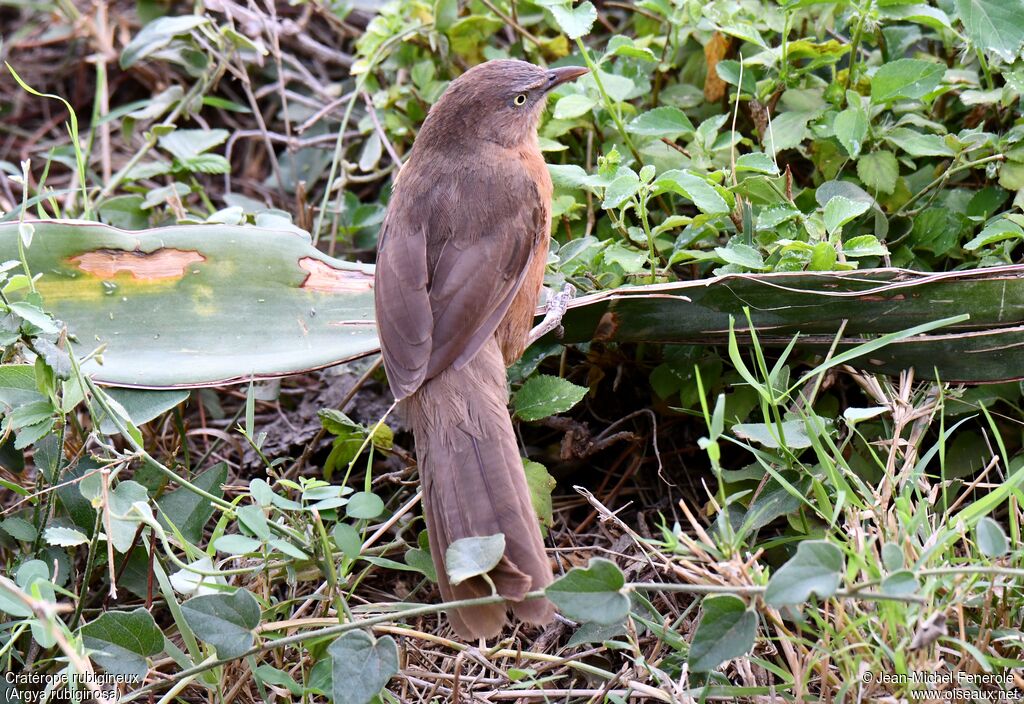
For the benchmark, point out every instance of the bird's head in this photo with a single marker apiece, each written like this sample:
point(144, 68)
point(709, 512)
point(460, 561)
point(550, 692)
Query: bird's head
point(499, 101)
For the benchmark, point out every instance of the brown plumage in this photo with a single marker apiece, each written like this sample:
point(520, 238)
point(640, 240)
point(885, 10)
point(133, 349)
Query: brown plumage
point(459, 271)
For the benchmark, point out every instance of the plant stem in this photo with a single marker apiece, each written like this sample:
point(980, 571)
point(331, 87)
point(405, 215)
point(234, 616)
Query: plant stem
point(945, 177)
point(608, 103)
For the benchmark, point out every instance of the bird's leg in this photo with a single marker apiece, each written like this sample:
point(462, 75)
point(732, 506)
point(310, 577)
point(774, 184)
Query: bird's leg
point(556, 306)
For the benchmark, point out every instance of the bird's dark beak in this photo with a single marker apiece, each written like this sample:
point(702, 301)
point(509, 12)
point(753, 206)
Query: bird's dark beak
point(558, 76)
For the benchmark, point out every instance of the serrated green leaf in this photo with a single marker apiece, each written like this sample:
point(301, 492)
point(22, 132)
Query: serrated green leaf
point(905, 79)
point(542, 396)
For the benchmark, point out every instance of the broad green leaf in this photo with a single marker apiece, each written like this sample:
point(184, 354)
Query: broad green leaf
point(665, 121)
point(851, 129)
point(864, 246)
point(593, 594)
point(364, 504)
point(188, 144)
point(542, 396)
point(816, 569)
point(995, 231)
point(237, 544)
point(996, 26)
point(158, 34)
point(62, 536)
point(573, 106)
point(905, 79)
point(188, 511)
point(793, 433)
point(900, 583)
point(757, 162)
point(892, 557)
point(121, 641)
point(917, 143)
point(878, 171)
point(361, 666)
point(541, 485)
point(841, 210)
point(347, 539)
point(575, 22)
point(693, 187)
point(726, 631)
point(786, 131)
point(621, 190)
point(123, 524)
point(165, 302)
point(991, 538)
point(18, 385)
point(141, 405)
point(471, 557)
point(741, 255)
point(226, 621)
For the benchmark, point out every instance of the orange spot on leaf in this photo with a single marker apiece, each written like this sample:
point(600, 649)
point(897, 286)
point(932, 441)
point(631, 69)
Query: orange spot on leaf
point(324, 277)
point(162, 263)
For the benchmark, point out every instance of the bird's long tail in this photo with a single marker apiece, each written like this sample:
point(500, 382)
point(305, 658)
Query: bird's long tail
point(474, 485)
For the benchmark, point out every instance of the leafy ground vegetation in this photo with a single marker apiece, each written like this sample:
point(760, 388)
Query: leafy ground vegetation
point(734, 522)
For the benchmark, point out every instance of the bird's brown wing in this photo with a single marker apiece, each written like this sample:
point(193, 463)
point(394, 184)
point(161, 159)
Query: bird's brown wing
point(451, 258)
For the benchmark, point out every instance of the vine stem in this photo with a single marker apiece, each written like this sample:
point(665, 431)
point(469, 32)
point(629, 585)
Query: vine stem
point(942, 178)
point(608, 104)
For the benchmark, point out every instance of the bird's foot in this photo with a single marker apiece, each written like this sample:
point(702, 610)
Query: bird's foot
point(556, 307)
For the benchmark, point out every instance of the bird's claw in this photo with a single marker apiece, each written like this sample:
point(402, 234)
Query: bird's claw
point(556, 307)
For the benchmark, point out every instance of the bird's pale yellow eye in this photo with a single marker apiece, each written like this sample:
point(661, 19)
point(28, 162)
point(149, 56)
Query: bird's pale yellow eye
point(519, 99)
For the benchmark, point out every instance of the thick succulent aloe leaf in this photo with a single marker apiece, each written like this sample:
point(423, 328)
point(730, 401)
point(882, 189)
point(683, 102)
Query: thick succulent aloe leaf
point(198, 305)
point(988, 347)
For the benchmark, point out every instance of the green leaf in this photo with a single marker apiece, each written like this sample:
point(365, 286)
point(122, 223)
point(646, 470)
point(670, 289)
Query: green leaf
point(122, 640)
point(187, 144)
point(726, 631)
point(18, 385)
point(542, 396)
point(237, 544)
point(122, 530)
point(188, 511)
point(816, 569)
point(997, 230)
point(141, 405)
point(900, 583)
point(990, 538)
point(365, 505)
point(851, 129)
point(741, 255)
point(693, 187)
point(841, 210)
point(758, 162)
point(361, 666)
point(347, 538)
point(591, 595)
point(794, 433)
point(226, 621)
point(35, 315)
point(864, 246)
point(575, 22)
point(158, 34)
point(905, 79)
point(572, 106)
point(996, 26)
point(621, 190)
point(665, 121)
point(474, 556)
point(64, 537)
point(541, 485)
point(879, 171)
point(915, 143)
